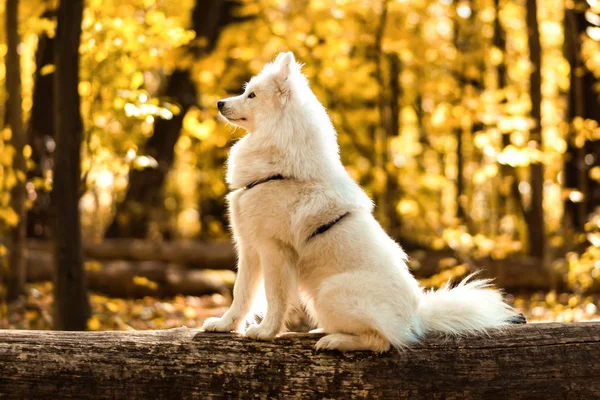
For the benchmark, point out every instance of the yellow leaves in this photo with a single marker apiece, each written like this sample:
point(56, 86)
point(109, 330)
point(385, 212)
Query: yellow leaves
point(93, 323)
point(142, 162)
point(143, 281)
point(408, 207)
point(155, 17)
point(199, 130)
point(137, 80)
point(595, 173)
point(47, 69)
point(440, 114)
point(6, 134)
point(112, 306)
point(84, 88)
point(27, 150)
point(10, 179)
point(9, 216)
point(190, 313)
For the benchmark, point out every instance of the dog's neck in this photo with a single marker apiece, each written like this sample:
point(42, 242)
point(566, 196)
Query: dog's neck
point(301, 145)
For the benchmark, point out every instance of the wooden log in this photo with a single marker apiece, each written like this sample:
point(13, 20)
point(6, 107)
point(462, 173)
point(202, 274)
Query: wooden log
point(536, 361)
point(194, 254)
point(513, 274)
point(122, 278)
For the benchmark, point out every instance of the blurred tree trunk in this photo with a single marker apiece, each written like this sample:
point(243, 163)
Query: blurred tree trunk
point(392, 188)
point(389, 114)
point(507, 173)
point(41, 134)
point(16, 269)
point(535, 213)
point(71, 304)
point(585, 104)
point(144, 194)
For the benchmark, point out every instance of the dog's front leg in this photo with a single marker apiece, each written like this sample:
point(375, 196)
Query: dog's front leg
point(244, 291)
point(279, 277)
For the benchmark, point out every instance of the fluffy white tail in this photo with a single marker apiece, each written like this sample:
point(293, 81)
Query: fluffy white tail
point(470, 307)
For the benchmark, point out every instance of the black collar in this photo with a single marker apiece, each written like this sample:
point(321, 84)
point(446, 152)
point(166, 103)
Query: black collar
point(327, 226)
point(277, 177)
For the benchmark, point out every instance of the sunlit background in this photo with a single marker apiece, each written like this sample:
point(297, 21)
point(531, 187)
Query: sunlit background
point(475, 155)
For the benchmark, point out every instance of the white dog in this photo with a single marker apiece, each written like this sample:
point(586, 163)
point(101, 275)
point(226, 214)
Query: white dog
point(306, 228)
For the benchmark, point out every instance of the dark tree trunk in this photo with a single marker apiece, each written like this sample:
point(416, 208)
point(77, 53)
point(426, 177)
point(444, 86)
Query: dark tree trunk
point(16, 269)
point(392, 189)
point(541, 361)
point(507, 173)
point(583, 103)
point(535, 214)
point(144, 194)
point(460, 183)
point(71, 307)
point(41, 133)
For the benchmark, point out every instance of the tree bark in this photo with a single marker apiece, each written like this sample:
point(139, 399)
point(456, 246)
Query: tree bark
point(381, 132)
point(584, 102)
point(71, 304)
point(16, 269)
point(535, 214)
point(537, 361)
point(393, 191)
point(41, 134)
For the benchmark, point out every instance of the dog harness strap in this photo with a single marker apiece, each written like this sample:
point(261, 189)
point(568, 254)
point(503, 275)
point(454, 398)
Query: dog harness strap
point(277, 177)
point(327, 226)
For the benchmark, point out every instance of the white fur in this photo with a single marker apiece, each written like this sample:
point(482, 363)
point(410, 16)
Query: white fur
point(352, 279)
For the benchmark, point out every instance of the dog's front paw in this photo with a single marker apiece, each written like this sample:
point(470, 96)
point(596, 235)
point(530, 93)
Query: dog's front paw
point(218, 325)
point(259, 332)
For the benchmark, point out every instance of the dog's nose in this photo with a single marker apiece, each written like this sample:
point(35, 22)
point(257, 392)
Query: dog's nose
point(220, 105)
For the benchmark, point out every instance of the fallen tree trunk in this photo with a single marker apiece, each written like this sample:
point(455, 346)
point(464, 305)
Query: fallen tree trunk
point(131, 279)
point(536, 361)
point(513, 274)
point(194, 254)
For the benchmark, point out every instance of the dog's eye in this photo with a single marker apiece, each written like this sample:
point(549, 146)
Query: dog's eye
point(251, 95)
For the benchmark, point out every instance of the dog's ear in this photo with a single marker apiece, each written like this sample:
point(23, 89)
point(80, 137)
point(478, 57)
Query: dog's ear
point(281, 55)
point(285, 64)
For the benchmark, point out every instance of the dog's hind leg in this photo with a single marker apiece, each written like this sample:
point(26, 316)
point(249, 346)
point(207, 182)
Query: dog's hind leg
point(363, 312)
point(361, 342)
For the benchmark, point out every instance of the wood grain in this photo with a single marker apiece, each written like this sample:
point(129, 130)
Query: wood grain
point(535, 361)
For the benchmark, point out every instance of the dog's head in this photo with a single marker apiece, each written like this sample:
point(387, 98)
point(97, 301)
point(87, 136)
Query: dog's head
point(265, 95)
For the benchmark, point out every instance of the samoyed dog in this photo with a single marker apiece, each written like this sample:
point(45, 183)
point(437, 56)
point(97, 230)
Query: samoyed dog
point(303, 227)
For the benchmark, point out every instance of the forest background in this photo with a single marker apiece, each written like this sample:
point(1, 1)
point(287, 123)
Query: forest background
point(473, 125)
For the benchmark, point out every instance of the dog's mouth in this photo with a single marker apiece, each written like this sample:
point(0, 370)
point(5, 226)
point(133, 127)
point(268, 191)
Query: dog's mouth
point(228, 118)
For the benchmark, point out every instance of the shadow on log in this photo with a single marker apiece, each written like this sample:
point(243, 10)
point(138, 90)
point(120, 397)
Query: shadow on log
point(537, 361)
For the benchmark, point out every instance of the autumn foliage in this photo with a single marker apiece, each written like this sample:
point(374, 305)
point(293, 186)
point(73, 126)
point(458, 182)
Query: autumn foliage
point(473, 125)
